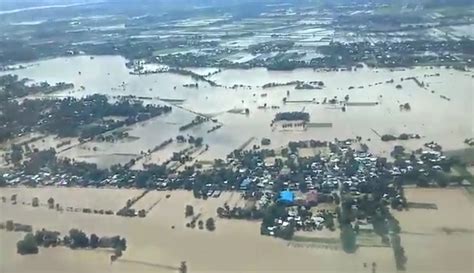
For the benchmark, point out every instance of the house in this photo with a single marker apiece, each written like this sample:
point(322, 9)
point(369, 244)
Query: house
point(286, 197)
point(245, 184)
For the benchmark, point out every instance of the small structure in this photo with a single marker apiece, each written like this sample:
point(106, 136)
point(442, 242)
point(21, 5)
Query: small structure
point(286, 197)
point(245, 184)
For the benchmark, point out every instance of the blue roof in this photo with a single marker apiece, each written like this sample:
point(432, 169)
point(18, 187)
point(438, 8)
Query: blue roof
point(245, 183)
point(287, 197)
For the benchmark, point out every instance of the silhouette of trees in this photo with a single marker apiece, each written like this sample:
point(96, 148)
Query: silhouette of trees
point(35, 202)
point(348, 238)
point(291, 116)
point(28, 245)
point(47, 238)
point(78, 239)
point(189, 211)
point(51, 203)
point(94, 241)
point(9, 225)
point(210, 224)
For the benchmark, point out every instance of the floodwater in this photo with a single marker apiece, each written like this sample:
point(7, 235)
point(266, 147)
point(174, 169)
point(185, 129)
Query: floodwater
point(427, 246)
point(153, 246)
point(432, 117)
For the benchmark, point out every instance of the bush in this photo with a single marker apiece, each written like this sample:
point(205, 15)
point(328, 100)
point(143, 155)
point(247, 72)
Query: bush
point(189, 211)
point(94, 241)
point(78, 239)
point(28, 245)
point(266, 141)
point(210, 224)
point(388, 138)
point(9, 225)
point(35, 202)
point(51, 203)
point(292, 116)
point(348, 238)
point(47, 238)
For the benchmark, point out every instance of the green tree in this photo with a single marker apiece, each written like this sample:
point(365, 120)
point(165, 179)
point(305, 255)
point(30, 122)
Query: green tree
point(210, 224)
point(3, 182)
point(189, 211)
point(35, 202)
point(78, 239)
point(348, 238)
point(94, 241)
point(51, 203)
point(198, 142)
point(10, 225)
point(28, 245)
point(122, 244)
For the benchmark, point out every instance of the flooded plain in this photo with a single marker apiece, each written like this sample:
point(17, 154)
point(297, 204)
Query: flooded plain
point(153, 246)
point(235, 246)
point(441, 239)
point(446, 120)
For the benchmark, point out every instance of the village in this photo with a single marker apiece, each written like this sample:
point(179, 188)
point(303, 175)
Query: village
point(342, 187)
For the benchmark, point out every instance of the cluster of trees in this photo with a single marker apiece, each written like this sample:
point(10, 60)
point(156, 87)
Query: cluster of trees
point(189, 211)
point(292, 116)
point(28, 245)
point(272, 46)
point(294, 145)
point(196, 121)
point(239, 213)
point(348, 238)
point(403, 136)
point(210, 224)
point(71, 117)
point(87, 172)
point(215, 128)
point(406, 106)
point(17, 227)
point(275, 84)
point(75, 239)
point(14, 87)
point(336, 55)
point(69, 114)
point(270, 215)
point(20, 117)
point(266, 141)
point(310, 85)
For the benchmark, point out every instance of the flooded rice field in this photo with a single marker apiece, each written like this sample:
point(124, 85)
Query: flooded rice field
point(153, 246)
point(441, 108)
point(446, 233)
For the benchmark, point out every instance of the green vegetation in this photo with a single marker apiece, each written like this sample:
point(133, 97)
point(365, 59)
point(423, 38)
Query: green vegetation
point(76, 239)
point(28, 245)
point(348, 238)
point(210, 224)
point(292, 116)
point(196, 121)
point(12, 87)
point(71, 117)
point(189, 211)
